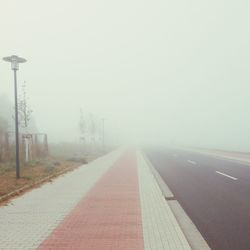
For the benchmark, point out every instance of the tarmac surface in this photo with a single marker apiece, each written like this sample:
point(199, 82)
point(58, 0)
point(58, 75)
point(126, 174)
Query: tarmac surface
point(214, 192)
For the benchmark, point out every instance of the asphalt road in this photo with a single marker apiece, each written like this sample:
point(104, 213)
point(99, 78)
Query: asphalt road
point(215, 193)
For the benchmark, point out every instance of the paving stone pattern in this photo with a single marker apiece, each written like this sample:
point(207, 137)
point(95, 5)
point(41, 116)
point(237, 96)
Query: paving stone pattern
point(108, 218)
point(113, 203)
point(29, 219)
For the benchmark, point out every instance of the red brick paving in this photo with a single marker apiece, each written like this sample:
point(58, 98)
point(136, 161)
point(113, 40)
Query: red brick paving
point(108, 217)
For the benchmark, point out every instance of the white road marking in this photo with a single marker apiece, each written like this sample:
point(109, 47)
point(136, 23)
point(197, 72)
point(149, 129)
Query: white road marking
point(229, 176)
point(192, 162)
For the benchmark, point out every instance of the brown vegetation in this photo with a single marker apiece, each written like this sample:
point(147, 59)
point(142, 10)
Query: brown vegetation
point(31, 173)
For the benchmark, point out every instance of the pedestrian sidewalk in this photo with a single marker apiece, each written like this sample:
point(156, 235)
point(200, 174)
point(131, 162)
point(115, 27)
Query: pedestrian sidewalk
point(113, 203)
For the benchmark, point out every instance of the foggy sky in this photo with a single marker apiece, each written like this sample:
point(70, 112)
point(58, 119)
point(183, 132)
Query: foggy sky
point(159, 72)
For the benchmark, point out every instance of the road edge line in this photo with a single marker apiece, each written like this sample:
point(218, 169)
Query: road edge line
point(217, 156)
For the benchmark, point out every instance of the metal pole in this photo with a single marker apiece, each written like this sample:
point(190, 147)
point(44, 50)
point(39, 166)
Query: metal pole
point(16, 128)
point(15, 60)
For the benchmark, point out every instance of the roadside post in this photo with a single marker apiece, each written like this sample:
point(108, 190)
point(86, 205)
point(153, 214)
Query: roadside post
point(15, 60)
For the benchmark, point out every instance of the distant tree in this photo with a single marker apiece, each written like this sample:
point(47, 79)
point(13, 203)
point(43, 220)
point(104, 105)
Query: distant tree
point(82, 123)
point(92, 126)
point(6, 109)
point(3, 131)
point(24, 112)
point(3, 125)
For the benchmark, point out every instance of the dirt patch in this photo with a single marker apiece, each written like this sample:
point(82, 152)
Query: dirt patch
point(32, 173)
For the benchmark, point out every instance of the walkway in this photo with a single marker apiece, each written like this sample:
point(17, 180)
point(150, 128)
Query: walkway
point(113, 203)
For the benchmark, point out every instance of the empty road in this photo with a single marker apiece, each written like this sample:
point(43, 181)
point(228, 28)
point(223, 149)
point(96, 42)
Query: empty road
point(215, 193)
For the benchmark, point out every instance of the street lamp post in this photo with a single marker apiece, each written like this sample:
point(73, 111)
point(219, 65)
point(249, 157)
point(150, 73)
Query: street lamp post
point(15, 60)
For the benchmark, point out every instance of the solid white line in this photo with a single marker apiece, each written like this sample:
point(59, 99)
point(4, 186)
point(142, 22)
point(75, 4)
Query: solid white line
point(229, 176)
point(192, 162)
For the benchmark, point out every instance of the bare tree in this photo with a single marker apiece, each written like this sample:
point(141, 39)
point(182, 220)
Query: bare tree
point(24, 109)
point(3, 131)
point(25, 116)
point(82, 123)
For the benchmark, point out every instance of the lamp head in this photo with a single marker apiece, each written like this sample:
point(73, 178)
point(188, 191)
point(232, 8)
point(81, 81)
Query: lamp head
point(14, 60)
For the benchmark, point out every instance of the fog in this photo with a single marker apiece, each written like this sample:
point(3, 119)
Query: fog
point(158, 72)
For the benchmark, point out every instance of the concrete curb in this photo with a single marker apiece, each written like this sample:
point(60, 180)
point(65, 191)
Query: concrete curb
point(161, 229)
point(194, 237)
point(167, 193)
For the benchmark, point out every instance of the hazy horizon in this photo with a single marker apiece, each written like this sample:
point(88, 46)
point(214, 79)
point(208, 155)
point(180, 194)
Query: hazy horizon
point(158, 72)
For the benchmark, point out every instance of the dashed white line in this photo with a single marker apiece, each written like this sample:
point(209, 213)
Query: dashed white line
point(192, 162)
point(228, 176)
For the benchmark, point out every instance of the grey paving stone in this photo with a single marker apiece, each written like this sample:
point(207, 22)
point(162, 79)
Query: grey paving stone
point(160, 228)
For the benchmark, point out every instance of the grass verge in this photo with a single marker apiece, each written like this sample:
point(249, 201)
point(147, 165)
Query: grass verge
point(32, 173)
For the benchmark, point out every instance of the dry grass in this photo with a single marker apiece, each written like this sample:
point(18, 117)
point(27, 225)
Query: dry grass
point(31, 172)
point(63, 157)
